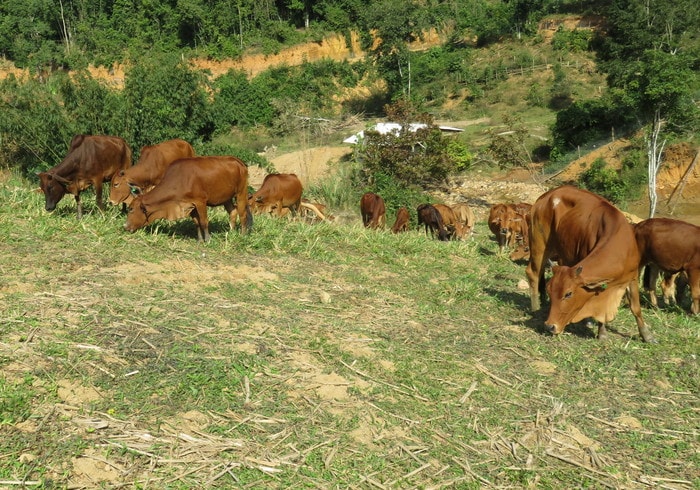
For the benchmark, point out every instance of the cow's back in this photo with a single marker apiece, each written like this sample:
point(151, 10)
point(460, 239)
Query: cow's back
point(212, 178)
point(672, 244)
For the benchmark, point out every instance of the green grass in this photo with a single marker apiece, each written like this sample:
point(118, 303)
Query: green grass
point(319, 356)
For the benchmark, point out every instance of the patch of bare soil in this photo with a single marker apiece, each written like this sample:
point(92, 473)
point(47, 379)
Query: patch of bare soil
point(311, 164)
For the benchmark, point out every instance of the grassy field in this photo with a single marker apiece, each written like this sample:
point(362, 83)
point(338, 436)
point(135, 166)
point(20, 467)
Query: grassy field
point(316, 356)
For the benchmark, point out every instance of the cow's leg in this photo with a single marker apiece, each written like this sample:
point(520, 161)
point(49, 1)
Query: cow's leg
point(651, 277)
point(535, 277)
point(636, 307)
point(79, 206)
point(245, 216)
point(694, 284)
point(97, 184)
point(199, 215)
point(602, 331)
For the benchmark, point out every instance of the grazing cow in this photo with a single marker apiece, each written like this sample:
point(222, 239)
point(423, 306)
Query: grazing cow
point(498, 216)
point(402, 219)
point(597, 255)
point(673, 246)
point(148, 171)
point(188, 187)
point(465, 215)
point(91, 161)
point(373, 210)
point(277, 192)
point(430, 217)
point(518, 226)
point(453, 226)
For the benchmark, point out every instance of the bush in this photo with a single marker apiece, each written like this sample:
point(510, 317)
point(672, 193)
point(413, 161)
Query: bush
point(605, 181)
point(34, 128)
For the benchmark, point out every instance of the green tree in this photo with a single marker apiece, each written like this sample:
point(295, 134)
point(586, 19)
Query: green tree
point(395, 24)
point(165, 99)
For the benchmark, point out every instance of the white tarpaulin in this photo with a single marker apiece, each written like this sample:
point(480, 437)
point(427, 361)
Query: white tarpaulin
point(394, 128)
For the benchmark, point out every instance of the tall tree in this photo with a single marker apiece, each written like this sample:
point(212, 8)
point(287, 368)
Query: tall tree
point(396, 24)
point(650, 54)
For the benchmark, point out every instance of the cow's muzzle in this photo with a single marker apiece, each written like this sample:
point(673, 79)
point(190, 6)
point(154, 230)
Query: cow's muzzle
point(553, 328)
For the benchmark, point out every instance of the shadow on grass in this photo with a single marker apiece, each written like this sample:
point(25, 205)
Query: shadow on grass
point(536, 320)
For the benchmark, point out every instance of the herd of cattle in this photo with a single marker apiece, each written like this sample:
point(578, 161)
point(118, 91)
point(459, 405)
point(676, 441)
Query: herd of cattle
point(595, 253)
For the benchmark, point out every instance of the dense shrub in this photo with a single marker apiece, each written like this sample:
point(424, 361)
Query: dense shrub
point(34, 127)
point(618, 186)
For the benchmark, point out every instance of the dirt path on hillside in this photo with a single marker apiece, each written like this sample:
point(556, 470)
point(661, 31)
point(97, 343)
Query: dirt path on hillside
point(678, 198)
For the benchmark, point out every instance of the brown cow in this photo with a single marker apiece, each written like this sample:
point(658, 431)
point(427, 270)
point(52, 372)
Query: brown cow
point(598, 256)
point(373, 210)
point(430, 217)
point(149, 169)
point(402, 219)
point(188, 187)
point(454, 227)
point(498, 216)
point(674, 246)
point(465, 215)
point(277, 192)
point(91, 161)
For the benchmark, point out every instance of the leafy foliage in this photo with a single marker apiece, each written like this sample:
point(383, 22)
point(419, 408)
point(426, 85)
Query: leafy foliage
point(34, 128)
point(164, 99)
point(411, 157)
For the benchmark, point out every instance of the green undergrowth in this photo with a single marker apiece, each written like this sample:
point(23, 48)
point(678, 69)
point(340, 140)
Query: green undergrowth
point(317, 356)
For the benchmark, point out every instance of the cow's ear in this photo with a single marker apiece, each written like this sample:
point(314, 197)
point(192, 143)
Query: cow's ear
point(135, 191)
point(578, 271)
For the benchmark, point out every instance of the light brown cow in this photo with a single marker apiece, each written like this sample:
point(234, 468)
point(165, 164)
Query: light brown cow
point(402, 219)
point(91, 161)
point(373, 210)
point(148, 170)
point(598, 256)
point(465, 215)
point(454, 226)
point(277, 192)
point(674, 246)
point(188, 187)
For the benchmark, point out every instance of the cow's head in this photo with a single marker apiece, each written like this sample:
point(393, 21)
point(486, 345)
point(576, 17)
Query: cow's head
point(575, 297)
point(136, 216)
point(119, 191)
point(54, 188)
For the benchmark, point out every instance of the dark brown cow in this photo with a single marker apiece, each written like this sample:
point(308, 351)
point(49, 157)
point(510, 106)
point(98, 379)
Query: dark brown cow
point(277, 192)
point(373, 210)
point(673, 246)
point(402, 219)
point(454, 227)
point(598, 256)
point(188, 187)
point(465, 215)
point(91, 161)
point(430, 217)
point(149, 169)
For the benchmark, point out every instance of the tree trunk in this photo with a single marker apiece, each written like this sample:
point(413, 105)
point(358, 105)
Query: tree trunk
point(654, 152)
